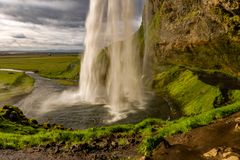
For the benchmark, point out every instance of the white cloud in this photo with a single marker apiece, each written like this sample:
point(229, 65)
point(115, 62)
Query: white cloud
point(62, 5)
point(43, 24)
point(37, 36)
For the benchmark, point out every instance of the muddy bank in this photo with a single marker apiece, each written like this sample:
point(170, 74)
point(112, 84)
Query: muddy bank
point(222, 135)
point(111, 150)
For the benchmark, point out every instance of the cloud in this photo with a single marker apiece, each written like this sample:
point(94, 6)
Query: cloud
point(19, 36)
point(65, 13)
point(44, 24)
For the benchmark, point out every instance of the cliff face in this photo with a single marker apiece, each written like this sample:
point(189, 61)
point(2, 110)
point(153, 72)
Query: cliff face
point(198, 33)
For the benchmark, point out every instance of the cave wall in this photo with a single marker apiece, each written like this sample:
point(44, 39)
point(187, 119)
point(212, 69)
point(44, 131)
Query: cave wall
point(196, 33)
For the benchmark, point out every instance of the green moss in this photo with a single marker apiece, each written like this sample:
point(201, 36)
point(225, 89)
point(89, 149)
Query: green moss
point(14, 84)
point(235, 95)
point(184, 87)
point(123, 141)
point(191, 94)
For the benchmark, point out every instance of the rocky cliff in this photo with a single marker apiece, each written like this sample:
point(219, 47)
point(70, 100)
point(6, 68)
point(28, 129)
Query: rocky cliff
point(196, 33)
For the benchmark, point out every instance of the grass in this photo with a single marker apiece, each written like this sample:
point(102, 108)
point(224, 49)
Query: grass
point(56, 66)
point(18, 136)
point(14, 84)
point(192, 94)
point(189, 93)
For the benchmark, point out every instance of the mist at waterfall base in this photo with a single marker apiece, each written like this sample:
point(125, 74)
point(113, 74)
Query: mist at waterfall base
point(117, 86)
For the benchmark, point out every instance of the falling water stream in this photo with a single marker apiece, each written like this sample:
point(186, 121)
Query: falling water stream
point(112, 21)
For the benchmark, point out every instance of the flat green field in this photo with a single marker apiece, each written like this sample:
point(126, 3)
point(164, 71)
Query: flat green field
point(14, 84)
point(56, 66)
point(64, 68)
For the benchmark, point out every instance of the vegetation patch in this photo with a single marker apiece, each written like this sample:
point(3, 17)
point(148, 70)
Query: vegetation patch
point(56, 66)
point(13, 84)
point(188, 92)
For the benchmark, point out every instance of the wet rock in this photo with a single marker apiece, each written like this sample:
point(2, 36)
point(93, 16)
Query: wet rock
point(229, 154)
point(46, 125)
point(231, 158)
point(237, 127)
point(13, 116)
point(237, 120)
point(57, 126)
point(212, 153)
point(33, 121)
point(225, 153)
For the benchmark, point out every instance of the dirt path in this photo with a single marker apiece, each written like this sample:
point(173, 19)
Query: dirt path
point(216, 138)
point(55, 154)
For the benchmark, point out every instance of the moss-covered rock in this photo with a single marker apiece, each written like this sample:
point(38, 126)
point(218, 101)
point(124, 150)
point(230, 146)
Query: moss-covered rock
point(201, 33)
point(196, 91)
point(14, 114)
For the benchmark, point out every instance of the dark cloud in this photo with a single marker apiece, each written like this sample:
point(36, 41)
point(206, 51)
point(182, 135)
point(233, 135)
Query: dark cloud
point(47, 23)
point(68, 13)
point(19, 36)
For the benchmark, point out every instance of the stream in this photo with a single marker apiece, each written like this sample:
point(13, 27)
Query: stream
point(80, 115)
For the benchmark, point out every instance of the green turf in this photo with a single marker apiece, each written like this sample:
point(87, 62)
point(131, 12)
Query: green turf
point(183, 86)
point(192, 94)
point(14, 84)
point(56, 66)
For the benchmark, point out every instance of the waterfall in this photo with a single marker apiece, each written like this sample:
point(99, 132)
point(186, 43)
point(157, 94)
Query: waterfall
point(91, 89)
point(111, 21)
point(147, 73)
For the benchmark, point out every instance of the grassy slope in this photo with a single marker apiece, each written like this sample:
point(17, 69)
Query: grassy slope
point(13, 84)
point(57, 66)
point(188, 92)
point(18, 136)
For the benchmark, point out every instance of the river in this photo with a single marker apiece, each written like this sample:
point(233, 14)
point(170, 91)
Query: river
point(81, 115)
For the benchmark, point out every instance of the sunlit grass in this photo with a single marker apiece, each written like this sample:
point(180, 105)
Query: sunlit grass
point(13, 84)
point(57, 66)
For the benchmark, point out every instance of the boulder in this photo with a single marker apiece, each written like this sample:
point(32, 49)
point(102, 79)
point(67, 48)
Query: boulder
point(212, 153)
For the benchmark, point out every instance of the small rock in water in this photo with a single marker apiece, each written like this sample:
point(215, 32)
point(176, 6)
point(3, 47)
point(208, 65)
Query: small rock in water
point(212, 153)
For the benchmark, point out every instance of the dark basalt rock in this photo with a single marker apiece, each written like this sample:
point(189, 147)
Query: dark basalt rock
point(14, 114)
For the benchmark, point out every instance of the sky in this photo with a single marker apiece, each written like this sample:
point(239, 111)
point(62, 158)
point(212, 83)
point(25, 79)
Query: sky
point(45, 24)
